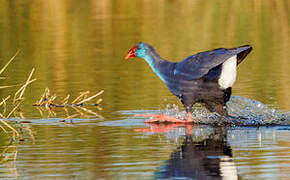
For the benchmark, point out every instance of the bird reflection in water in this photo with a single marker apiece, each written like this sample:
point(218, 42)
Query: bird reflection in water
point(197, 158)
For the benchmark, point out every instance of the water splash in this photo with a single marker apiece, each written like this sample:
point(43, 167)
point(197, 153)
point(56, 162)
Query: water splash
point(256, 113)
point(243, 112)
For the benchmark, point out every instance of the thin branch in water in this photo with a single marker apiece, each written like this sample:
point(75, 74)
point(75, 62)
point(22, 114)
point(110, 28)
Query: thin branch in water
point(90, 98)
point(40, 111)
point(4, 100)
point(82, 95)
point(3, 129)
point(71, 117)
point(51, 113)
point(11, 59)
point(65, 100)
point(99, 101)
point(91, 112)
point(14, 130)
point(44, 96)
point(78, 111)
point(22, 89)
point(3, 87)
point(13, 110)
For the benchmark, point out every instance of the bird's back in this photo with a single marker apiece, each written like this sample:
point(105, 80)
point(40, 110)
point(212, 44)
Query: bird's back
point(198, 65)
point(198, 75)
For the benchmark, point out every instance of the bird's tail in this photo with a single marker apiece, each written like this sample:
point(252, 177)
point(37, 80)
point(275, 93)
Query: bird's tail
point(243, 51)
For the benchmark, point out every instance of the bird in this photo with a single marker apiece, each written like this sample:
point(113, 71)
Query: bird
point(205, 78)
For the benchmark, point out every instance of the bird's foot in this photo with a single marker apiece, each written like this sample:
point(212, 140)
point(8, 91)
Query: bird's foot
point(160, 118)
point(164, 118)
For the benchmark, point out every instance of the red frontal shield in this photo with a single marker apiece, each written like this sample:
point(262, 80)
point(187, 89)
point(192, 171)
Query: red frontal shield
point(131, 53)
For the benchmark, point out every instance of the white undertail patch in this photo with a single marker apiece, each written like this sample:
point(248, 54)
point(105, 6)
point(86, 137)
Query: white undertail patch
point(229, 73)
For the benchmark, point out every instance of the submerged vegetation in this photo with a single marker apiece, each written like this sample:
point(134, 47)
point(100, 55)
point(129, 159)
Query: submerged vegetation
point(18, 97)
point(49, 101)
point(46, 103)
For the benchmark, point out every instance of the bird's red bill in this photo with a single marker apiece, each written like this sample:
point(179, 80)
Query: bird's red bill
point(131, 53)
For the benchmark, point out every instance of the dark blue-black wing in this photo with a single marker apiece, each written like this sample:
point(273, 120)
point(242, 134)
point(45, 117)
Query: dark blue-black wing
point(198, 65)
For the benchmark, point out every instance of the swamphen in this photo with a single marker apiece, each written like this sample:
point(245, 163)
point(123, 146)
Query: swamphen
point(206, 77)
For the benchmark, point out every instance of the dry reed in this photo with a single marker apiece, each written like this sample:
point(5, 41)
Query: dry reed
point(18, 97)
point(49, 101)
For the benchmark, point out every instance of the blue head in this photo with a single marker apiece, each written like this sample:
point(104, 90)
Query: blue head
point(139, 50)
point(145, 51)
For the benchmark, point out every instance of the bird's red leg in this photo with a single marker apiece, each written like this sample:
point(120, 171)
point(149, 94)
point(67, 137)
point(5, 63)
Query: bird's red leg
point(189, 122)
point(189, 118)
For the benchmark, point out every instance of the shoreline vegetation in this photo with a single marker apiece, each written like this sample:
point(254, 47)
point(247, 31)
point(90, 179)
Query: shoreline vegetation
point(46, 102)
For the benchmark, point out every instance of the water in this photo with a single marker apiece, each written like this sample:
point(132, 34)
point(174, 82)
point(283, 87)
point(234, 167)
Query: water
point(80, 45)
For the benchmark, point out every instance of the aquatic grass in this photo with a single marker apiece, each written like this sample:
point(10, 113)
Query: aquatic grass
point(9, 154)
point(86, 111)
point(6, 65)
point(83, 95)
point(3, 102)
point(48, 101)
point(65, 100)
point(17, 99)
point(90, 98)
point(15, 132)
point(4, 68)
point(4, 105)
point(18, 96)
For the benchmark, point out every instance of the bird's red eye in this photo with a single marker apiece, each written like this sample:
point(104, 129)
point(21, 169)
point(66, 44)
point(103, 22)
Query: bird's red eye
point(138, 47)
